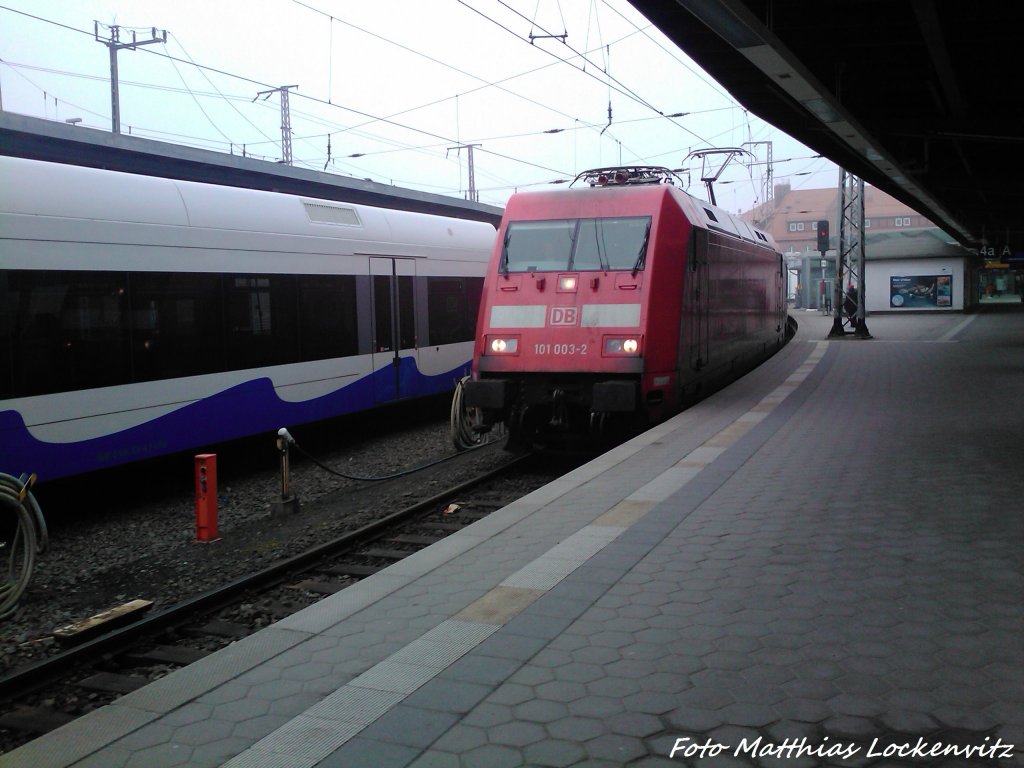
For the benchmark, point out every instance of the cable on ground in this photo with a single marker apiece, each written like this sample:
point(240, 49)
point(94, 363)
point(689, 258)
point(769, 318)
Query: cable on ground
point(28, 538)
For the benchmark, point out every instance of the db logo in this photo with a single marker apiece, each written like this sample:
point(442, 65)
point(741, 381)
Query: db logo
point(563, 316)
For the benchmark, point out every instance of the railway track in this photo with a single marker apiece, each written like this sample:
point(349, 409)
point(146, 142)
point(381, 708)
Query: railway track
point(94, 670)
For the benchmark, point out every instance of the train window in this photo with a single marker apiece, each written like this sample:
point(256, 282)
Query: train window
point(172, 315)
point(67, 330)
point(541, 246)
point(406, 314)
point(79, 329)
point(261, 320)
point(327, 316)
point(382, 312)
point(452, 305)
point(611, 243)
point(576, 244)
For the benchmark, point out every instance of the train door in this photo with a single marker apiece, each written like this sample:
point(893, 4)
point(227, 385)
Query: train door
point(393, 329)
point(700, 300)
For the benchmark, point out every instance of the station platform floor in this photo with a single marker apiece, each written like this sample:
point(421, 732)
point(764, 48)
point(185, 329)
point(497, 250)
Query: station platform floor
point(820, 565)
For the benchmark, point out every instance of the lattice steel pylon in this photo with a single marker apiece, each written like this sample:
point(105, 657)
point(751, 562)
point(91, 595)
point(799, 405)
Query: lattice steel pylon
point(286, 121)
point(848, 293)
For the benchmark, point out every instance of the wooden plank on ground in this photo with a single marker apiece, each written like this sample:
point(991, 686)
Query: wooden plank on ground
point(86, 629)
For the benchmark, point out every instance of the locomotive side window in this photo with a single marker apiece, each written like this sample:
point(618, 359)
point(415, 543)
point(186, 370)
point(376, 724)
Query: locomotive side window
point(576, 244)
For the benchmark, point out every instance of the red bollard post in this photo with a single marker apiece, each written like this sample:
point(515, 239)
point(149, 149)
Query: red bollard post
point(206, 498)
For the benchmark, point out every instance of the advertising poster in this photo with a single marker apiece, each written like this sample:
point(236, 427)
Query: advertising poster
point(920, 291)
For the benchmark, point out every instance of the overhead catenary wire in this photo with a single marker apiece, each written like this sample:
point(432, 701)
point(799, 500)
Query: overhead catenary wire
point(486, 169)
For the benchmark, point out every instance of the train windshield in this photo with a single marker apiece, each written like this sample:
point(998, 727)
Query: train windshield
point(576, 244)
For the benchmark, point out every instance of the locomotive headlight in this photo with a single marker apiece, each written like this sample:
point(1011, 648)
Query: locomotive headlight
point(626, 346)
point(567, 283)
point(503, 345)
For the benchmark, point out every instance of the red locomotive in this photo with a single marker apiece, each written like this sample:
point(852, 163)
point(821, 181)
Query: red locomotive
point(617, 301)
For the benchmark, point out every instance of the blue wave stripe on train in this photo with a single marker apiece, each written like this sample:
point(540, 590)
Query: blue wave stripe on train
point(245, 409)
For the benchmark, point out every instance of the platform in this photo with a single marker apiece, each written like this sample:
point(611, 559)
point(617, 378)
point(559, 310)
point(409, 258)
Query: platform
point(820, 565)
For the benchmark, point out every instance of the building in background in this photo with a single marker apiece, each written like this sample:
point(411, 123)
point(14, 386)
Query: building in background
point(911, 265)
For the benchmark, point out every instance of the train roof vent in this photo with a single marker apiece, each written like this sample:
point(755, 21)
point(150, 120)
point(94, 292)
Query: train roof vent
point(760, 236)
point(711, 214)
point(332, 214)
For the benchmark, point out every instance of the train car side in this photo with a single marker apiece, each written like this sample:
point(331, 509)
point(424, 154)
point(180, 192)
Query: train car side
point(147, 316)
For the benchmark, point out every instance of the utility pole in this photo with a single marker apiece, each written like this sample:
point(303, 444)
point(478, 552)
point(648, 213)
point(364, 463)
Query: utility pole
point(472, 195)
point(286, 121)
point(768, 205)
point(850, 257)
point(115, 44)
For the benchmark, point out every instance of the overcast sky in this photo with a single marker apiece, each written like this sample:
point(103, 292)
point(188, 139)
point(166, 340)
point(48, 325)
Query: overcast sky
point(400, 83)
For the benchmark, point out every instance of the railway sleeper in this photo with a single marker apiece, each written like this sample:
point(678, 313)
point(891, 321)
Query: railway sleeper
point(421, 541)
point(387, 554)
point(111, 682)
point(219, 628)
point(320, 587)
point(166, 654)
point(35, 719)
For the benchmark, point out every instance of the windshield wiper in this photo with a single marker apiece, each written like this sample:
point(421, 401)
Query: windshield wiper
point(503, 265)
point(602, 246)
point(642, 255)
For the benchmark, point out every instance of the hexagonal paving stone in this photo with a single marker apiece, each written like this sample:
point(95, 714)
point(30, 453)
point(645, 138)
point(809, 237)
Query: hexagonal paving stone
point(635, 724)
point(553, 752)
point(517, 734)
point(577, 729)
point(489, 714)
point(492, 756)
point(279, 689)
point(240, 711)
point(559, 690)
point(461, 738)
point(820, 690)
point(597, 706)
point(618, 687)
point(804, 710)
point(579, 673)
point(532, 674)
point(512, 694)
point(615, 747)
point(651, 702)
point(540, 711)
point(611, 639)
point(747, 714)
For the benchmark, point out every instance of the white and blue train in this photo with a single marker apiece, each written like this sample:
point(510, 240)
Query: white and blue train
point(144, 316)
